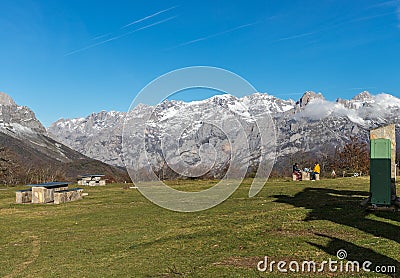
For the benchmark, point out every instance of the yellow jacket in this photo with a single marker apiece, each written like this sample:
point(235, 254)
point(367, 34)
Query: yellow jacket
point(317, 168)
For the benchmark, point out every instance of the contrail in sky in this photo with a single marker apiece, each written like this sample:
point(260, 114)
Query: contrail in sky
point(334, 26)
point(134, 22)
point(398, 15)
point(214, 35)
point(101, 36)
point(373, 16)
point(120, 36)
point(295, 36)
point(387, 3)
point(148, 17)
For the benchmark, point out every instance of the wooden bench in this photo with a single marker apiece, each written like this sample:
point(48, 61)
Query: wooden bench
point(69, 195)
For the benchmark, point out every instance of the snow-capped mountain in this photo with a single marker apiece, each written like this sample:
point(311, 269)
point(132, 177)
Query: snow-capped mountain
point(99, 135)
point(312, 124)
point(27, 139)
point(20, 123)
point(15, 119)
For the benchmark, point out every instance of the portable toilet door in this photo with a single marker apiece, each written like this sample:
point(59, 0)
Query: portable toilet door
point(380, 171)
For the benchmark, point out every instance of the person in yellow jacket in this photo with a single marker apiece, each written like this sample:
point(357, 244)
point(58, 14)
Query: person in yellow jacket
point(316, 170)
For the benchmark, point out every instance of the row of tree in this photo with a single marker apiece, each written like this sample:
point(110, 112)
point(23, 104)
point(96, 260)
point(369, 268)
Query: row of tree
point(13, 171)
point(351, 158)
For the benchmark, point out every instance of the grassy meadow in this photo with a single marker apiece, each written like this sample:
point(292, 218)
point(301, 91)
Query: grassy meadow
point(116, 232)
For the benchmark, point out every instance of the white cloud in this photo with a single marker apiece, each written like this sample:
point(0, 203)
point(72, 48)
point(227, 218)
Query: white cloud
point(385, 101)
point(320, 109)
point(380, 107)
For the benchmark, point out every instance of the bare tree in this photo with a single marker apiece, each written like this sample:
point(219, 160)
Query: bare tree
point(353, 157)
point(9, 167)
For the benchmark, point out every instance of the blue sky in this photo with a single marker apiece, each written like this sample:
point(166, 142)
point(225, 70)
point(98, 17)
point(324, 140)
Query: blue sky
point(70, 58)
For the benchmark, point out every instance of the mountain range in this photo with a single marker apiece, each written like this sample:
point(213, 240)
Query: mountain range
point(168, 137)
point(309, 126)
point(27, 150)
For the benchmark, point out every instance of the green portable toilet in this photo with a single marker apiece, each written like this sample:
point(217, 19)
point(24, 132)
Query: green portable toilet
point(380, 172)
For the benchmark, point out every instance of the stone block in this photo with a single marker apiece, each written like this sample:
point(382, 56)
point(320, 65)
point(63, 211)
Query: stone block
point(305, 176)
point(23, 196)
point(42, 195)
point(74, 194)
point(67, 195)
point(60, 197)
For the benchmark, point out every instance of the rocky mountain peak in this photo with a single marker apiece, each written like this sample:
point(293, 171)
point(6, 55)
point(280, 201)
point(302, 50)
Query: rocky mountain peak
point(307, 97)
point(6, 100)
point(362, 99)
point(365, 95)
point(16, 119)
point(346, 103)
point(36, 157)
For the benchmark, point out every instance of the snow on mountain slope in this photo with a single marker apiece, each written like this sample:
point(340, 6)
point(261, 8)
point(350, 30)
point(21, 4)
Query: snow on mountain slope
point(26, 138)
point(97, 136)
point(20, 123)
point(311, 124)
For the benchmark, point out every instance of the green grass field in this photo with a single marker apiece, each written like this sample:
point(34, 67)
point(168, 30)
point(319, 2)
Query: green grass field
point(116, 232)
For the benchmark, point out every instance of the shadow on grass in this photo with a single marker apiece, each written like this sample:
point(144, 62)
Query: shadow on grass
point(359, 254)
point(343, 207)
